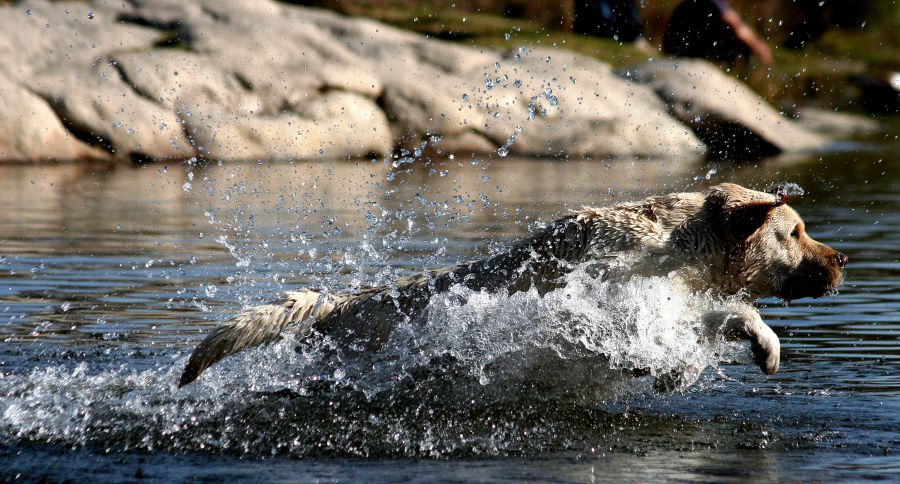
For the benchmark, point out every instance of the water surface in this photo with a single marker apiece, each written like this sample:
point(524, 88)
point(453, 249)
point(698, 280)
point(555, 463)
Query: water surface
point(110, 275)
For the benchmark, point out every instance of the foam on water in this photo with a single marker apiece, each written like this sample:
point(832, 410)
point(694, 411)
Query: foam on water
point(584, 340)
point(579, 344)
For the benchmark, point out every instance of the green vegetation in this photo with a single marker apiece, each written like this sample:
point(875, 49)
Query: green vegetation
point(874, 45)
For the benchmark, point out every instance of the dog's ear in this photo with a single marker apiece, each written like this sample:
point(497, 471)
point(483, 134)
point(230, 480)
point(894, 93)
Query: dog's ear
point(743, 210)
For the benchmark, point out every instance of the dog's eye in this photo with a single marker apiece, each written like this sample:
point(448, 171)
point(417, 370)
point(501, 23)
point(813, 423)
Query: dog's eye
point(796, 233)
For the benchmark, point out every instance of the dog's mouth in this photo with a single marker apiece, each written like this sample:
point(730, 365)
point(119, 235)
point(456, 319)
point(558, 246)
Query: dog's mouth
point(816, 285)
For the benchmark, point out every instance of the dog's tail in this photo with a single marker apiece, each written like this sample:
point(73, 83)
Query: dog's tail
point(253, 327)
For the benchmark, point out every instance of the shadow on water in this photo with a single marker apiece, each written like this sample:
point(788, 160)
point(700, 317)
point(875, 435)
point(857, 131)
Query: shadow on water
point(109, 276)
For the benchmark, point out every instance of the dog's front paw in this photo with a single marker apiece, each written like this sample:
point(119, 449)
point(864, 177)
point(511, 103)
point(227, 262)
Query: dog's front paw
point(766, 347)
point(748, 325)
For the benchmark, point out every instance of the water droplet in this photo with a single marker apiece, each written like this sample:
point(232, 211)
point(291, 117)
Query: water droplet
point(507, 36)
point(402, 161)
point(28, 12)
point(91, 15)
point(186, 187)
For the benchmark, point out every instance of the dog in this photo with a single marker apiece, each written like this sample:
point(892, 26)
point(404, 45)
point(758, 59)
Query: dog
point(727, 240)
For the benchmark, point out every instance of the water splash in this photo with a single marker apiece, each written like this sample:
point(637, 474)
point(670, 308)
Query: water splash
point(504, 149)
point(472, 352)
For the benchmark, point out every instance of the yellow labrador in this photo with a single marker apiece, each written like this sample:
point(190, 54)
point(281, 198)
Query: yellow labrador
point(726, 240)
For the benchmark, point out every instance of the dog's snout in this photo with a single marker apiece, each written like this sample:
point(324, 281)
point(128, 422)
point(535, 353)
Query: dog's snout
point(841, 259)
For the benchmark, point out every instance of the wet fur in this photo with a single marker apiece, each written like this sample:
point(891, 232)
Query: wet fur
point(726, 240)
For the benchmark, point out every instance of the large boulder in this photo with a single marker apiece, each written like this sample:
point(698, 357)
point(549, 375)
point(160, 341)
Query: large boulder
point(731, 119)
point(232, 79)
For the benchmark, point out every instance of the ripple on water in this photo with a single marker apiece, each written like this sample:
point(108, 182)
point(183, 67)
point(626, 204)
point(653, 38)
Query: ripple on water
point(94, 337)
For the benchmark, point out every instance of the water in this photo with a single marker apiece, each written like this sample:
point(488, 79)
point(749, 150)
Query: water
point(110, 275)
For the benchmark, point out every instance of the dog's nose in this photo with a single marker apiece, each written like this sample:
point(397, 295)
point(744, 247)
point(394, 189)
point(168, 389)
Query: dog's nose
point(841, 259)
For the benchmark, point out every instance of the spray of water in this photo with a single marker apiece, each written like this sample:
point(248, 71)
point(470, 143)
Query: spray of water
point(471, 352)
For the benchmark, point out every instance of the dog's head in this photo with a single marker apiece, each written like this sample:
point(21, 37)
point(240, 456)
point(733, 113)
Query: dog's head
point(770, 252)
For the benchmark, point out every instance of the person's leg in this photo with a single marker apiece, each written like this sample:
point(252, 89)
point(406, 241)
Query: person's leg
point(615, 19)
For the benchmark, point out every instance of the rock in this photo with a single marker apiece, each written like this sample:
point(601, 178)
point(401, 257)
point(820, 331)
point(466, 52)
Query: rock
point(102, 109)
point(732, 120)
point(465, 143)
point(168, 76)
point(32, 131)
point(337, 125)
point(40, 35)
point(535, 103)
point(571, 105)
point(231, 79)
point(836, 124)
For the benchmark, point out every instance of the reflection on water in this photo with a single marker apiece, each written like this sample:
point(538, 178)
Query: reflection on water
point(119, 271)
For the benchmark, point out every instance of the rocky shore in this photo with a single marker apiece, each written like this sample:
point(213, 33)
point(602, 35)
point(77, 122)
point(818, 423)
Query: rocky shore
point(235, 80)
